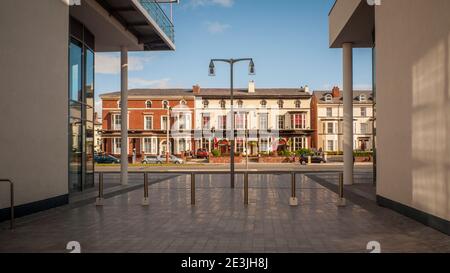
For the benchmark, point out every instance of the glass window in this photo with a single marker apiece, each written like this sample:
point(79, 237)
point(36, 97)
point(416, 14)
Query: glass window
point(329, 112)
point(148, 104)
point(263, 121)
point(117, 121)
point(240, 121)
point(264, 145)
point(280, 120)
point(330, 127)
point(263, 103)
point(364, 128)
point(76, 65)
point(222, 104)
point(164, 123)
point(280, 104)
point(239, 145)
point(89, 85)
point(330, 146)
point(206, 119)
point(205, 103)
point(240, 103)
point(148, 122)
point(298, 104)
point(150, 145)
point(116, 145)
point(165, 104)
point(299, 143)
point(363, 111)
point(222, 122)
point(298, 121)
point(328, 98)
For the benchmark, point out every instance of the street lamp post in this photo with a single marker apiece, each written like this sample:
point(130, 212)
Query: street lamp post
point(231, 62)
point(167, 134)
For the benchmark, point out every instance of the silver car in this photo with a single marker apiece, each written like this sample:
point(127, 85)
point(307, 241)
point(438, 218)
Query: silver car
point(172, 159)
point(152, 159)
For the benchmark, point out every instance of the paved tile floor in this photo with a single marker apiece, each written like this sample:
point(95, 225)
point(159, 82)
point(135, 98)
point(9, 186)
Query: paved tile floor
point(219, 222)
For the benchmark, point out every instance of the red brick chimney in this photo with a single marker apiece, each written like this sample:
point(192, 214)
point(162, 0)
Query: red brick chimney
point(336, 92)
point(196, 89)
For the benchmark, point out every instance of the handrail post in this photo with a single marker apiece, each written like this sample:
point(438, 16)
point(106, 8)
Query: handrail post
point(192, 188)
point(145, 201)
point(246, 188)
point(341, 202)
point(99, 200)
point(293, 201)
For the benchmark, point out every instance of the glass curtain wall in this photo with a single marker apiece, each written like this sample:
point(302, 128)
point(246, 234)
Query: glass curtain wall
point(81, 108)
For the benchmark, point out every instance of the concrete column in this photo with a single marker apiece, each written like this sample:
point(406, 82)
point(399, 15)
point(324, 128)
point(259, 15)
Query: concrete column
point(347, 49)
point(124, 115)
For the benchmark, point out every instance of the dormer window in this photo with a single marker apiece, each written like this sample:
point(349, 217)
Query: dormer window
point(280, 104)
point(298, 104)
point(362, 98)
point(148, 104)
point(263, 103)
point(205, 103)
point(240, 103)
point(222, 104)
point(328, 98)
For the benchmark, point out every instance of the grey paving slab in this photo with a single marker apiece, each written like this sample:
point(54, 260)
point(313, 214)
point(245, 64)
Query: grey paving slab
point(219, 222)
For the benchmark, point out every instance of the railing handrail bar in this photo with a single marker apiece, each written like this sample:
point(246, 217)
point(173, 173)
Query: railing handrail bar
point(187, 172)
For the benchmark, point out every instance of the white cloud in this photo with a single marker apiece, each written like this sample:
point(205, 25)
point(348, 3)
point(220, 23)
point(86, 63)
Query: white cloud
point(200, 3)
point(108, 63)
point(217, 27)
point(98, 106)
point(144, 83)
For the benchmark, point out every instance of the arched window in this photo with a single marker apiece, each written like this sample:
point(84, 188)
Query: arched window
point(240, 103)
point(205, 103)
point(362, 98)
point(280, 103)
point(148, 104)
point(119, 104)
point(183, 102)
point(263, 103)
point(165, 104)
point(328, 98)
point(298, 104)
point(222, 104)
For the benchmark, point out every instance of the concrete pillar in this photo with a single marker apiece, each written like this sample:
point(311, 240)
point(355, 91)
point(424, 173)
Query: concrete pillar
point(124, 116)
point(347, 49)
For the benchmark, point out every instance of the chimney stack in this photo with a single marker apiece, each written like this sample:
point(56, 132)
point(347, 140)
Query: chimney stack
point(336, 92)
point(306, 89)
point(196, 89)
point(251, 87)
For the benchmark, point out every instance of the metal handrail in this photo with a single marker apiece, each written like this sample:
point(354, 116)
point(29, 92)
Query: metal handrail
point(11, 198)
point(293, 199)
point(160, 17)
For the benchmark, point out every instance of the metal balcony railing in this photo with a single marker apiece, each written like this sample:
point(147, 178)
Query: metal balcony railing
point(160, 17)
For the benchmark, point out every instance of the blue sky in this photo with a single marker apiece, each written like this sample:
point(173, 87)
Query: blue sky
point(288, 40)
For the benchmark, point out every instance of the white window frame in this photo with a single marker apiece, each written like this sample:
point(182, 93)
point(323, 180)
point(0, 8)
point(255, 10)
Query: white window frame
point(302, 123)
point(328, 98)
point(363, 112)
point(151, 104)
point(266, 115)
point(153, 141)
point(145, 122)
point(261, 147)
point(299, 143)
point(329, 111)
point(278, 122)
point(332, 145)
point(114, 118)
point(162, 122)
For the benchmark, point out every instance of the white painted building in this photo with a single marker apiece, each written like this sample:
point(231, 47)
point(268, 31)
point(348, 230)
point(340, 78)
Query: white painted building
point(330, 120)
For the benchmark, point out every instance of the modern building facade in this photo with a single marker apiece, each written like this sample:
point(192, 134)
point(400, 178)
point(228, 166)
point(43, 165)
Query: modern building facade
point(266, 120)
point(56, 132)
point(329, 120)
point(411, 60)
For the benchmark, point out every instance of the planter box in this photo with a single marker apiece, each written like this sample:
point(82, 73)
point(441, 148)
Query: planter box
point(224, 159)
point(275, 159)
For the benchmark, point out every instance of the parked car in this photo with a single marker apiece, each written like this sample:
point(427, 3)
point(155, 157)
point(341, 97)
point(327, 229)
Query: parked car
point(152, 159)
point(172, 159)
point(314, 159)
point(106, 159)
point(202, 153)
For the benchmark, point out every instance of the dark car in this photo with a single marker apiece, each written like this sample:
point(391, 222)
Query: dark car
point(314, 159)
point(106, 159)
point(202, 153)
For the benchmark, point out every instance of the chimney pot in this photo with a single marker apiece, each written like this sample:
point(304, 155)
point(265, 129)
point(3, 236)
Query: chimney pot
point(336, 92)
point(251, 87)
